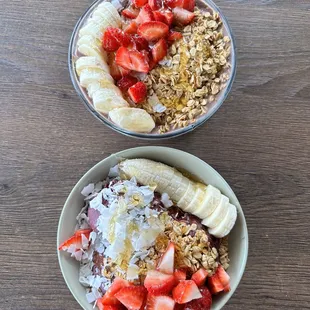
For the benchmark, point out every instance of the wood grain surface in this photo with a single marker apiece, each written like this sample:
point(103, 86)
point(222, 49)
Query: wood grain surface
point(258, 140)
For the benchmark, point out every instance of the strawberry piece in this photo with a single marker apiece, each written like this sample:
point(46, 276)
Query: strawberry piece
point(113, 38)
point(219, 281)
point(153, 31)
point(203, 303)
point(180, 274)
point(145, 15)
point(132, 28)
point(186, 291)
point(159, 17)
point(130, 13)
point(158, 283)
point(200, 276)
point(155, 4)
point(227, 288)
point(116, 71)
point(166, 263)
point(223, 276)
point(109, 307)
point(182, 17)
point(138, 92)
point(168, 17)
point(126, 82)
point(159, 51)
point(132, 297)
point(139, 3)
point(140, 43)
point(132, 60)
point(75, 240)
point(174, 36)
point(164, 16)
point(188, 5)
point(160, 302)
point(174, 3)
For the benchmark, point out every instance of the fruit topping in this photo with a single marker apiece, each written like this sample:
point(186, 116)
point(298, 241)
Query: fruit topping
point(158, 283)
point(131, 60)
point(116, 71)
point(137, 92)
point(180, 274)
point(126, 82)
point(155, 4)
point(153, 31)
point(188, 5)
point(182, 17)
point(140, 43)
point(164, 16)
point(113, 38)
point(132, 28)
point(166, 263)
point(139, 3)
point(160, 303)
point(203, 303)
point(174, 36)
point(145, 15)
point(132, 297)
point(78, 241)
point(130, 13)
point(174, 3)
point(200, 276)
point(186, 291)
point(109, 307)
point(219, 281)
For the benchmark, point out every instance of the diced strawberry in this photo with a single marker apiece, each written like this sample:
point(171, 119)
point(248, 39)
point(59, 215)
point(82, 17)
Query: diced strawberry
point(126, 82)
point(164, 16)
point(131, 60)
point(168, 17)
point(180, 274)
point(159, 51)
point(223, 275)
point(153, 31)
point(160, 302)
point(139, 3)
point(145, 15)
point(159, 17)
point(155, 4)
point(138, 92)
point(204, 302)
point(215, 285)
point(116, 71)
point(174, 3)
point(132, 297)
point(158, 283)
point(186, 291)
point(166, 263)
point(227, 288)
point(179, 307)
point(200, 276)
point(182, 17)
point(174, 36)
point(101, 306)
point(130, 13)
point(75, 240)
point(140, 43)
point(132, 28)
point(188, 5)
point(113, 38)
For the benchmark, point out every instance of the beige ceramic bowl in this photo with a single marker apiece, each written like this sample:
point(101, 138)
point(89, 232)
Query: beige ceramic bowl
point(238, 238)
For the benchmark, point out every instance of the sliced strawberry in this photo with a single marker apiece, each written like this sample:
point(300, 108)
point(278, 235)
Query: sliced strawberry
point(145, 15)
point(75, 240)
point(126, 82)
point(204, 302)
point(138, 92)
point(139, 3)
point(174, 3)
point(159, 17)
point(227, 288)
point(113, 38)
point(140, 43)
point(132, 28)
point(130, 13)
point(200, 276)
point(166, 263)
point(223, 275)
point(160, 303)
point(188, 5)
point(182, 17)
point(186, 291)
point(132, 60)
point(155, 4)
point(215, 285)
point(153, 31)
point(164, 16)
point(159, 51)
point(180, 274)
point(174, 36)
point(168, 17)
point(116, 71)
point(132, 297)
point(158, 283)
point(109, 307)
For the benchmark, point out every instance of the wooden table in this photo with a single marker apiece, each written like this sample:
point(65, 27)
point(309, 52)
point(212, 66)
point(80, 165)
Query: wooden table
point(259, 141)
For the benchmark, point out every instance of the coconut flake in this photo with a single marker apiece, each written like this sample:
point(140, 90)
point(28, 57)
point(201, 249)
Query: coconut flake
point(165, 199)
point(87, 190)
point(132, 272)
point(156, 104)
point(114, 172)
point(165, 62)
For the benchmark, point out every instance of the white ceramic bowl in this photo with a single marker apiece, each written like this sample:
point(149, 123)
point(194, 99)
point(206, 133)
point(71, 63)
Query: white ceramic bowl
point(238, 238)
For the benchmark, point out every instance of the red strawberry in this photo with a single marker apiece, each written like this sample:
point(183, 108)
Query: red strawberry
point(145, 15)
point(159, 51)
point(166, 263)
point(75, 240)
point(130, 12)
point(138, 92)
point(180, 274)
point(158, 283)
point(131, 28)
point(164, 16)
point(132, 297)
point(200, 276)
point(153, 31)
point(140, 43)
point(139, 3)
point(188, 5)
point(182, 17)
point(223, 275)
point(160, 302)
point(126, 82)
point(186, 291)
point(109, 307)
point(219, 281)
point(168, 17)
point(227, 288)
point(174, 3)
point(132, 60)
point(155, 4)
point(116, 71)
point(203, 303)
point(174, 36)
point(113, 38)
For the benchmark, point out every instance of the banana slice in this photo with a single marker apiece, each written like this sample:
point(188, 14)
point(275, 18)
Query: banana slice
point(90, 62)
point(89, 40)
point(133, 119)
point(106, 99)
point(196, 200)
point(93, 87)
point(88, 50)
point(219, 213)
point(104, 18)
point(110, 10)
point(89, 76)
point(224, 228)
point(93, 28)
point(188, 196)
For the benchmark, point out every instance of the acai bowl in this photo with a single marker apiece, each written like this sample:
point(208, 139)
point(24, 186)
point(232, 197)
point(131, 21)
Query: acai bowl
point(152, 69)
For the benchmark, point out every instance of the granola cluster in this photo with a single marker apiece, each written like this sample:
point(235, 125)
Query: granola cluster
point(194, 72)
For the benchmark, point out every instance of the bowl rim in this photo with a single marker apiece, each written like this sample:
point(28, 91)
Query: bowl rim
point(121, 154)
point(149, 136)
